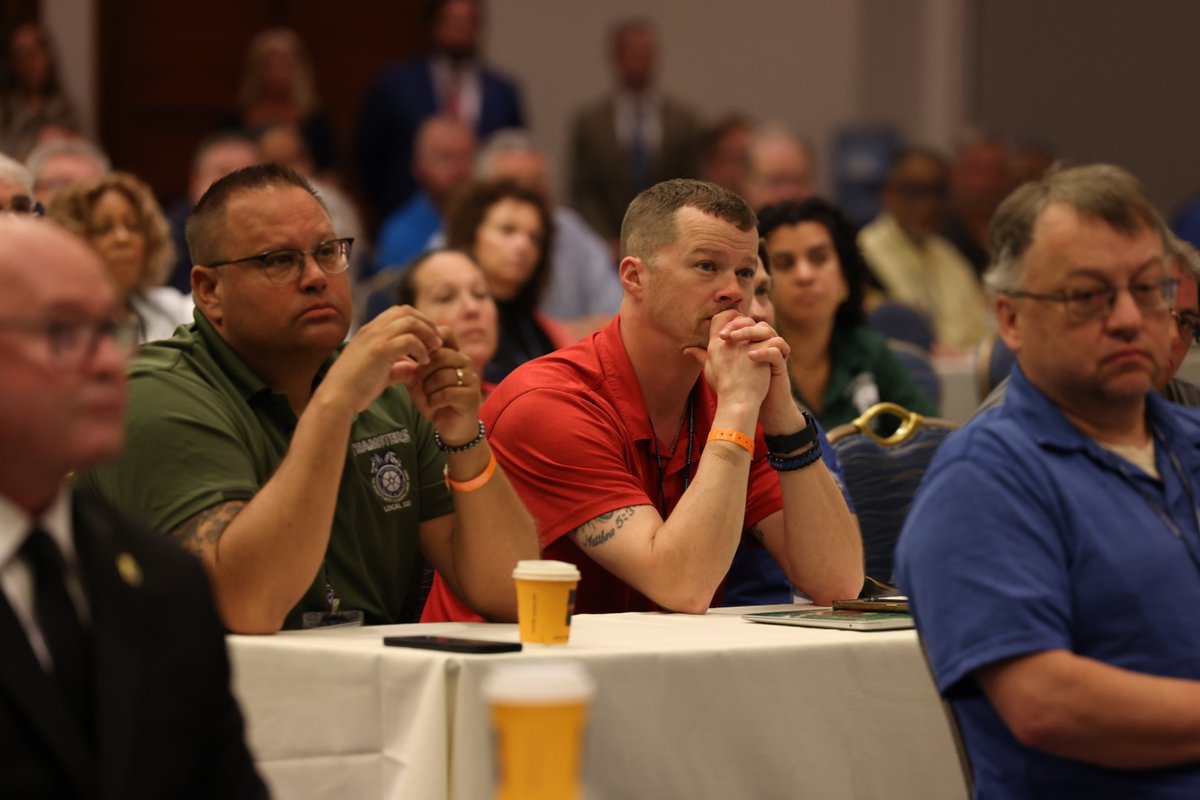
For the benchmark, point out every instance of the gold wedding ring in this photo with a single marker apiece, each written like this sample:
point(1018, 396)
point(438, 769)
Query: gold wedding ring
point(458, 372)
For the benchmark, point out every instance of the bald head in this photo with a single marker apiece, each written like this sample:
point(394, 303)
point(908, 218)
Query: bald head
point(40, 259)
point(64, 399)
point(780, 168)
point(443, 157)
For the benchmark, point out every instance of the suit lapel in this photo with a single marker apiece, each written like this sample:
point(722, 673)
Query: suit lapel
point(117, 624)
point(34, 694)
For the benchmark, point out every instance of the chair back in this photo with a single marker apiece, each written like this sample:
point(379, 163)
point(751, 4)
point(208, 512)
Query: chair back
point(898, 321)
point(917, 364)
point(993, 362)
point(882, 474)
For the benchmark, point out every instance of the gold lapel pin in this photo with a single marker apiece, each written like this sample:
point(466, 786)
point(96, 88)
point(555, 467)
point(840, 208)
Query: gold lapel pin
point(127, 565)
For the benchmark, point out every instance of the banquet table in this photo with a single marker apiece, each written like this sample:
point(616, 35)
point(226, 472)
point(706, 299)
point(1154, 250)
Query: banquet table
point(704, 706)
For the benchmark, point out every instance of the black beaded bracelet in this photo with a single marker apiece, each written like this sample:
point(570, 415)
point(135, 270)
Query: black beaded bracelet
point(793, 463)
point(459, 448)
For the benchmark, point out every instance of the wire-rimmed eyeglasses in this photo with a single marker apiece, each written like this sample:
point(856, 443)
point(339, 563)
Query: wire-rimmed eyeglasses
point(285, 265)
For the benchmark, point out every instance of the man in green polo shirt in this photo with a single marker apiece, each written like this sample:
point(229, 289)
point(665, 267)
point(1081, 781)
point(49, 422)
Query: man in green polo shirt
point(307, 475)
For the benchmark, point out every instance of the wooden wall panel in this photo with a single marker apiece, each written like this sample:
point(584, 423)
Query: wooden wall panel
point(169, 72)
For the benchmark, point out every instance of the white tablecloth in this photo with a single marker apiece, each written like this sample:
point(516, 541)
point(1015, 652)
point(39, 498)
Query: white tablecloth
point(686, 707)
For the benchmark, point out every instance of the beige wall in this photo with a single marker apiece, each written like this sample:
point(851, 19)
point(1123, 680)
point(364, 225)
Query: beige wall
point(813, 64)
point(1099, 81)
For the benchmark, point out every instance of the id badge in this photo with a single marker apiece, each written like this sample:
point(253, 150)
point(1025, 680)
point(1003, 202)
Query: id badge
point(331, 619)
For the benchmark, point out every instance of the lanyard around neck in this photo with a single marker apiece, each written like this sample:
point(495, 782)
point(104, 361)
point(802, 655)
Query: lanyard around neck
point(687, 472)
point(1159, 511)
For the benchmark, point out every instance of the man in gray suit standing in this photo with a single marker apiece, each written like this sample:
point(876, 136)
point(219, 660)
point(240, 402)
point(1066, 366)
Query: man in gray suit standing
point(633, 137)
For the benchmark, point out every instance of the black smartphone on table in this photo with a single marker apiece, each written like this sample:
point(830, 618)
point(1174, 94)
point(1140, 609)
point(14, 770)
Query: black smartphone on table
point(452, 644)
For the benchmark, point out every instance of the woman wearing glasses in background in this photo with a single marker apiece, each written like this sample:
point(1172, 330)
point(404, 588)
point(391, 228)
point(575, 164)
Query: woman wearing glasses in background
point(116, 214)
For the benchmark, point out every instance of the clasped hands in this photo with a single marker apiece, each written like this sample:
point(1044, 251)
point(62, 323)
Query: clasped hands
point(402, 345)
point(746, 362)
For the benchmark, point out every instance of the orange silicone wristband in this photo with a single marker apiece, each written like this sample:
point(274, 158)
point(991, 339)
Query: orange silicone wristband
point(735, 437)
point(478, 481)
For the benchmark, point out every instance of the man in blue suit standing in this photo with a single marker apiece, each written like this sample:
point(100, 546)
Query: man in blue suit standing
point(451, 80)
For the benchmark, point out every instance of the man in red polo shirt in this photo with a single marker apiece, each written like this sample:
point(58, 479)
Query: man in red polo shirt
point(640, 451)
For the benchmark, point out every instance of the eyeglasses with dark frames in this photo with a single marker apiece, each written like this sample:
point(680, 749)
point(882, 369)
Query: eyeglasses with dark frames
point(285, 265)
point(22, 205)
point(1084, 305)
point(73, 343)
point(1188, 324)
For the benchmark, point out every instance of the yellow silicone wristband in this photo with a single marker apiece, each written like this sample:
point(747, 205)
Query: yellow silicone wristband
point(478, 481)
point(735, 437)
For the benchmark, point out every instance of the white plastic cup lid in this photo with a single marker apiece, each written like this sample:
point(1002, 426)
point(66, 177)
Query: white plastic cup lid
point(538, 682)
point(546, 570)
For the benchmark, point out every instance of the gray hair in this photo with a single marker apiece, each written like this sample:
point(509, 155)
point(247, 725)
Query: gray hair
point(506, 140)
point(14, 171)
point(1186, 253)
point(1103, 192)
point(66, 147)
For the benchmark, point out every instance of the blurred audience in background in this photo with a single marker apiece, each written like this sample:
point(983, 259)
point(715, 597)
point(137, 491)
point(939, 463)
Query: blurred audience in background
point(452, 80)
point(584, 291)
point(725, 152)
point(278, 87)
point(915, 264)
point(978, 182)
point(63, 162)
point(780, 167)
point(117, 215)
point(631, 138)
point(839, 368)
point(16, 188)
point(216, 156)
point(442, 164)
point(508, 229)
point(32, 99)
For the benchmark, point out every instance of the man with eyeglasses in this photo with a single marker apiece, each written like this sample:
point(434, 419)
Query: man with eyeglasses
point(100, 621)
point(1052, 555)
point(311, 477)
point(16, 189)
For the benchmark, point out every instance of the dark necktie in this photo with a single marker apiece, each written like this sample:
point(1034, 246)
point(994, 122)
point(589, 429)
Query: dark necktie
point(65, 636)
point(639, 150)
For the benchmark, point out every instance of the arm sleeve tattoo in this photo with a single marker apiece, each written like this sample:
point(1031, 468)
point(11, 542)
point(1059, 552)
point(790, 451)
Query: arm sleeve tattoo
point(203, 530)
point(599, 530)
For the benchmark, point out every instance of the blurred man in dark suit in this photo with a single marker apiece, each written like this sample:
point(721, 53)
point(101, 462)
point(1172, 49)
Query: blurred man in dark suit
point(452, 80)
point(630, 139)
point(114, 681)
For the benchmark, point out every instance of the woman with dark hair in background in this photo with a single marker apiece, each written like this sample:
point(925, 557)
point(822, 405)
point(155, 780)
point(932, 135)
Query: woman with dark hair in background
point(117, 215)
point(507, 228)
point(839, 367)
point(31, 97)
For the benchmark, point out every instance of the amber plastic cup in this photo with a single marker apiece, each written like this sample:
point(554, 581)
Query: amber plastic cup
point(545, 600)
point(539, 711)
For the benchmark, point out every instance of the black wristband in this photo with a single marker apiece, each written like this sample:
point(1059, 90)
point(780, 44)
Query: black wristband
point(792, 463)
point(791, 442)
point(459, 448)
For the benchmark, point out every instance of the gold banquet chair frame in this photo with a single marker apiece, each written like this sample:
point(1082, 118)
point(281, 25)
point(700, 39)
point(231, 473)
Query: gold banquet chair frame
point(883, 473)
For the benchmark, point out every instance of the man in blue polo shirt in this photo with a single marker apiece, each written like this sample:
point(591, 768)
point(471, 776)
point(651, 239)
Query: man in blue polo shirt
point(1053, 551)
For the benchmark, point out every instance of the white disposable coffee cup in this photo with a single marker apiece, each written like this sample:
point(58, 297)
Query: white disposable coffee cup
point(545, 600)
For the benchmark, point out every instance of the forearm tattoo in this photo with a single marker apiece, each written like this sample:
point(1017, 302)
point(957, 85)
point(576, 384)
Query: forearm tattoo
point(202, 531)
point(599, 530)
